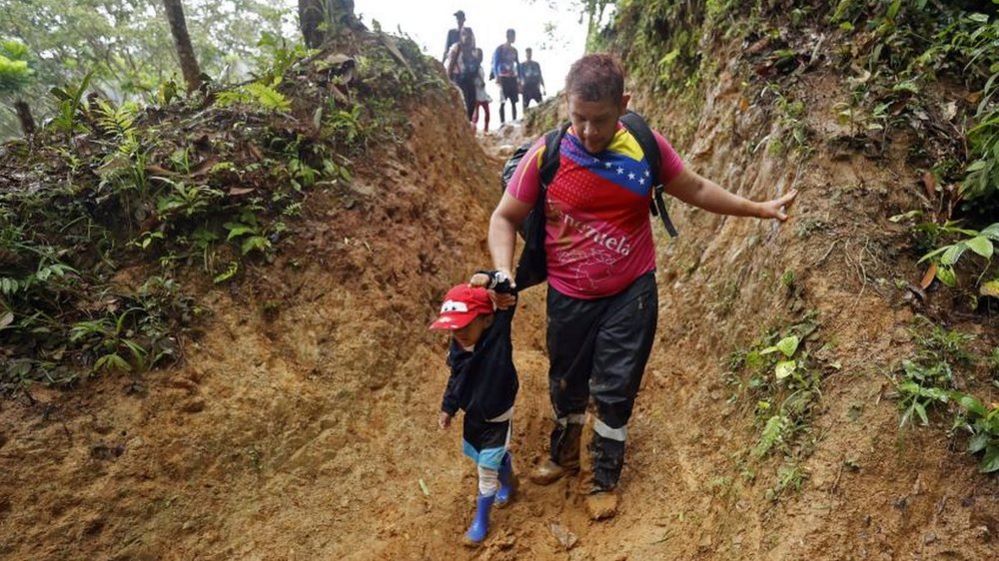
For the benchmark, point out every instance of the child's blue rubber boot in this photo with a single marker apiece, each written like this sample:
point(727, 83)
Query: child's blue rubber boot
point(507, 482)
point(480, 524)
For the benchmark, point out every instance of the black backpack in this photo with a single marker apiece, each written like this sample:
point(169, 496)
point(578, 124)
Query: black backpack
point(532, 268)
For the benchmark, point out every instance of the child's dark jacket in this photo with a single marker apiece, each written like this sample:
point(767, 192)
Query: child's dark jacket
point(483, 381)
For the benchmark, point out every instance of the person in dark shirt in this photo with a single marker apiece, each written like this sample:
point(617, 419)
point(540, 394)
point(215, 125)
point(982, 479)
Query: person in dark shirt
point(531, 81)
point(463, 64)
point(454, 35)
point(483, 383)
point(506, 71)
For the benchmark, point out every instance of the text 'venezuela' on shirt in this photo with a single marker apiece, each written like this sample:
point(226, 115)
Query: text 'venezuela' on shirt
point(598, 231)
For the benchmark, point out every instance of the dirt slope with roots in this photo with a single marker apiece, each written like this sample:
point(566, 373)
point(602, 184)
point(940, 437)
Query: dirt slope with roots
point(302, 425)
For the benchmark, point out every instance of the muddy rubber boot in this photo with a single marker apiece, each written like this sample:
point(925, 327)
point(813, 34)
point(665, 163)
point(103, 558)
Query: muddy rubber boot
point(601, 505)
point(507, 482)
point(480, 524)
point(565, 456)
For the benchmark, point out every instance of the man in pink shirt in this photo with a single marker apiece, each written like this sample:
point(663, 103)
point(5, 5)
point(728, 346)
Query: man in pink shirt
point(602, 300)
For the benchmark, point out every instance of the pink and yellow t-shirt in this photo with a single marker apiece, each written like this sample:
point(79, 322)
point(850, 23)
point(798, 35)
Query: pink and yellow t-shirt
point(598, 234)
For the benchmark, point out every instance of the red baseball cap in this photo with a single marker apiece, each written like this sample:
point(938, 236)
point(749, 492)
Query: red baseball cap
point(461, 305)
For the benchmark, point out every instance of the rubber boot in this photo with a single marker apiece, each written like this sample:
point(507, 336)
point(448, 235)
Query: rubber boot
point(507, 482)
point(480, 524)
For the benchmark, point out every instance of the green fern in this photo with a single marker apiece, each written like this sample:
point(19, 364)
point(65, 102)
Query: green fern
point(254, 95)
point(772, 434)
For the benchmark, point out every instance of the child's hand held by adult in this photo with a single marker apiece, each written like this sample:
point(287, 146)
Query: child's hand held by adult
point(502, 300)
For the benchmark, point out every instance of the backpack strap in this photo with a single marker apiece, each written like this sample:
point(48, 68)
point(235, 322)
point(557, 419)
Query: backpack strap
point(647, 140)
point(550, 159)
point(532, 268)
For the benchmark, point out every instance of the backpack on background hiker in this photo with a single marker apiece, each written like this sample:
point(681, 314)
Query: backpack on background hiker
point(532, 268)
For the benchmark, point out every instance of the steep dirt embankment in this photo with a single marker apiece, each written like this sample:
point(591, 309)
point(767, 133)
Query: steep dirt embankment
point(302, 420)
point(868, 489)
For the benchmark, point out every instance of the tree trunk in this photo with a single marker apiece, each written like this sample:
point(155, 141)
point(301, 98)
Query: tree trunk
point(338, 15)
point(24, 115)
point(310, 18)
point(185, 52)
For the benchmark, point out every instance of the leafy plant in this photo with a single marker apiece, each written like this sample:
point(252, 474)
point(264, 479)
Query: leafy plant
point(69, 101)
point(784, 381)
point(277, 57)
point(255, 94)
point(927, 381)
point(946, 257)
point(982, 424)
point(922, 386)
point(248, 233)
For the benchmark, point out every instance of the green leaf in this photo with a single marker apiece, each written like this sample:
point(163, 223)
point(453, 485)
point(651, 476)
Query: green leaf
point(990, 288)
point(228, 273)
point(785, 368)
point(981, 245)
point(788, 345)
point(112, 362)
point(991, 232)
point(258, 243)
point(772, 433)
point(990, 462)
point(236, 230)
point(970, 403)
point(933, 253)
point(953, 253)
point(946, 275)
point(921, 411)
point(978, 443)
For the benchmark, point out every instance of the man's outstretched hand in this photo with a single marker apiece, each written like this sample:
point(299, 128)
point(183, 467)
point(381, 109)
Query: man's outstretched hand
point(775, 208)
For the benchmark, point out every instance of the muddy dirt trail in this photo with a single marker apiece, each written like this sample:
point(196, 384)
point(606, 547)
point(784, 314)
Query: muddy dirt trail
point(302, 424)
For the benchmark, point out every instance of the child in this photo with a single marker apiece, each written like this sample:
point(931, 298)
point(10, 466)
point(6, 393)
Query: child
point(483, 384)
point(482, 99)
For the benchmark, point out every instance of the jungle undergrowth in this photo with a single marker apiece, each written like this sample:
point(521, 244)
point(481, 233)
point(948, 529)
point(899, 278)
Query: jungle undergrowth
point(780, 376)
point(936, 378)
point(112, 205)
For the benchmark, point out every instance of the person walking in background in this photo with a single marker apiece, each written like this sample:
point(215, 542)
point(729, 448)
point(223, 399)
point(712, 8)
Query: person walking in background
point(454, 35)
point(532, 83)
point(506, 71)
point(482, 98)
point(462, 67)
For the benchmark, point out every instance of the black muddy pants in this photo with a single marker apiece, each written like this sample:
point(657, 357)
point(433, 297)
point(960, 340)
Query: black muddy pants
point(598, 349)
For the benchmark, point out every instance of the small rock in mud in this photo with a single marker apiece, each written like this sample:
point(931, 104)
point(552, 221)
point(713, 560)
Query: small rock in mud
point(929, 538)
point(563, 535)
point(103, 451)
point(92, 527)
point(621, 557)
point(196, 405)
